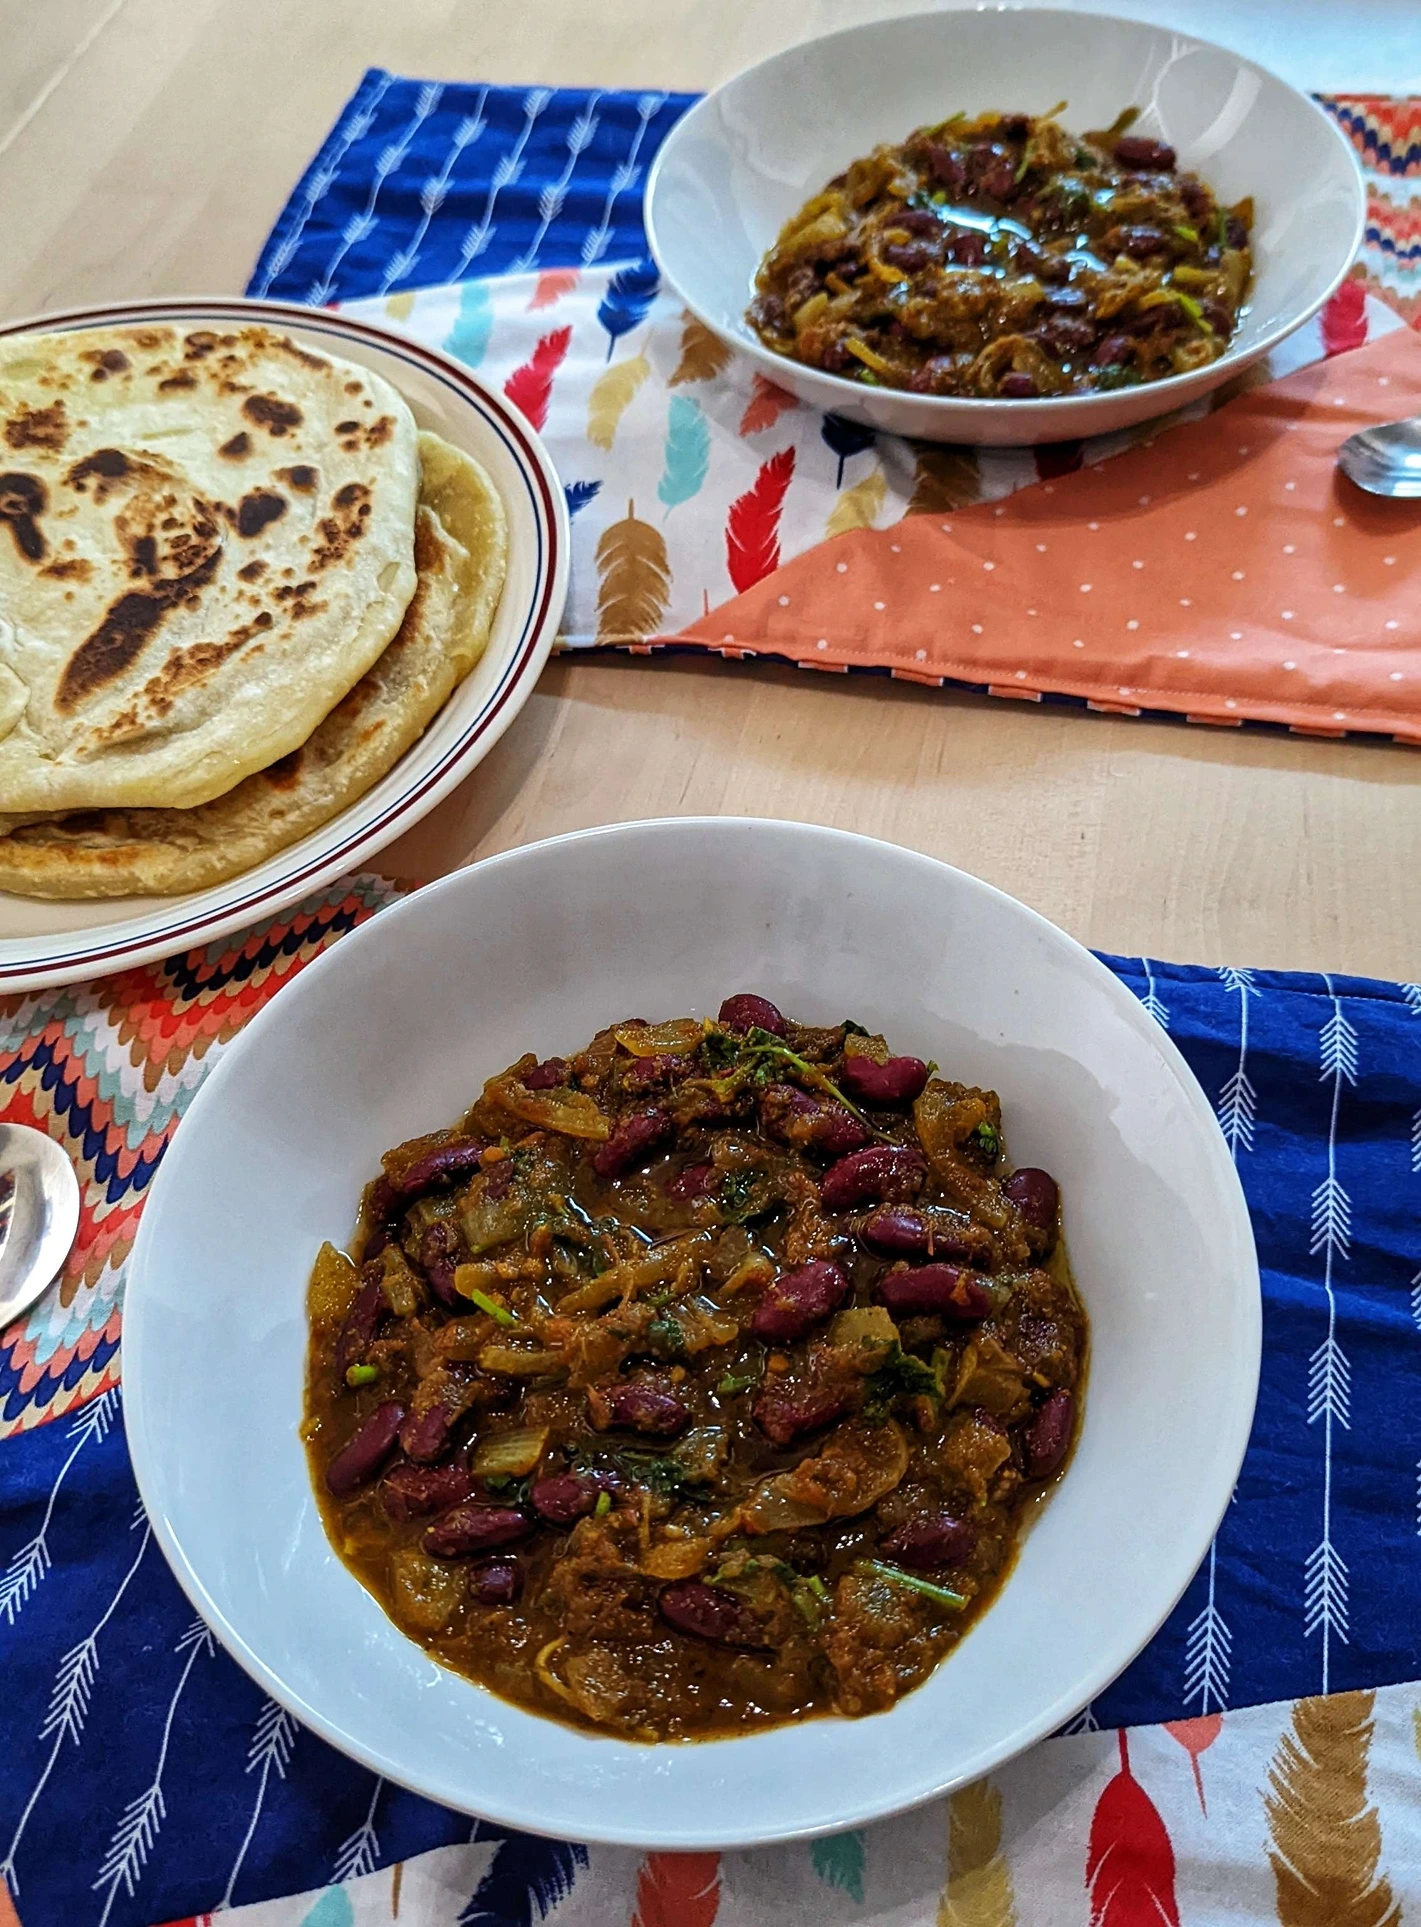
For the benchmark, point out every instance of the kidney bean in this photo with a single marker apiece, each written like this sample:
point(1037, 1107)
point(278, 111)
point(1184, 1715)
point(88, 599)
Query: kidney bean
point(884, 1172)
point(918, 220)
point(1049, 1435)
point(362, 1321)
point(710, 1612)
point(693, 1182)
point(1137, 150)
point(798, 1300)
point(654, 1073)
point(440, 1166)
point(967, 248)
point(440, 1251)
point(496, 1584)
point(1045, 266)
point(638, 1408)
point(547, 1075)
point(1112, 349)
point(633, 1141)
point(937, 1539)
point(992, 170)
point(1018, 387)
point(381, 1205)
point(945, 166)
point(411, 1491)
point(358, 1461)
point(1035, 1196)
point(497, 1182)
point(911, 256)
point(897, 1080)
point(950, 1290)
point(1066, 335)
point(424, 1436)
point(745, 1011)
point(476, 1528)
point(569, 1496)
point(786, 1414)
point(1217, 315)
point(895, 1228)
point(797, 1117)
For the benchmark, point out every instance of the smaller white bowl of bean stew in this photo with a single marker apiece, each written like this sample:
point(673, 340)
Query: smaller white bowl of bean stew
point(771, 1237)
point(1006, 225)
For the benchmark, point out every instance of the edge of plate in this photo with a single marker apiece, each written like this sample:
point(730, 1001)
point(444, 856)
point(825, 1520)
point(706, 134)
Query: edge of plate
point(100, 954)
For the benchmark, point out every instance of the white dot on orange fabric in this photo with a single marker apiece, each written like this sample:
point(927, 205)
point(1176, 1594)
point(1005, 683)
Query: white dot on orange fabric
point(1181, 652)
point(989, 566)
point(1229, 703)
point(1383, 381)
point(920, 655)
point(1339, 715)
point(727, 638)
point(1290, 665)
point(999, 511)
point(1241, 509)
point(1144, 501)
point(947, 528)
point(1389, 560)
point(1339, 652)
point(1286, 614)
point(1185, 603)
point(1021, 675)
point(895, 548)
point(1339, 401)
point(1041, 548)
point(1194, 475)
point(934, 588)
point(1031, 612)
point(1137, 565)
point(784, 601)
point(1078, 644)
point(823, 643)
point(1290, 485)
point(879, 605)
point(1235, 635)
point(976, 628)
point(1085, 588)
point(1092, 525)
point(1048, 488)
point(1290, 548)
point(1393, 624)
point(1339, 588)
point(1124, 689)
point(1191, 535)
point(1395, 675)
point(1238, 575)
point(842, 567)
point(1339, 521)
point(1132, 624)
point(1244, 449)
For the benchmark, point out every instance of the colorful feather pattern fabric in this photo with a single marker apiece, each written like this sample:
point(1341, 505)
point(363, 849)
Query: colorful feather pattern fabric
point(703, 355)
point(467, 340)
point(687, 453)
point(944, 478)
point(525, 1881)
point(677, 1890)
point(979, 1885)
point(629, 295)
point(858, 507)
point(1324, 1832)
point(1130, 1860)
point(768, 401)
point(752, 532)
point(530, 387)
point(552, 285)
point(1196, 1736)
point(612, 397)
point(1344, 319)
point(634, 580)
point(579, 494)
point(838, 1860)
point(845, 438)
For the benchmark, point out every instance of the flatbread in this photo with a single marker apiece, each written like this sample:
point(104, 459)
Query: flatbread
point(206, 539)
point(461, 551)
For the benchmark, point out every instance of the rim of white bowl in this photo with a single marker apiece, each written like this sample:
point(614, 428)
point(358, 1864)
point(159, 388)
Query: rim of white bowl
point(1168, 385)
point(1234, 1432)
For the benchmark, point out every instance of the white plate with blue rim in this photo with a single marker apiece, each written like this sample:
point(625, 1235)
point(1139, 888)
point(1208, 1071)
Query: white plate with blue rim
point(43, 944)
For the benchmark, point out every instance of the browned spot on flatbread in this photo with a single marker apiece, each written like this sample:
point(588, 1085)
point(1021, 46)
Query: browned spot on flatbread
point(380, 431)
point(73, 568)
point(284, 345)
point(152, 338)
point(272, 414)
point(196, 663)
point(347, 428)
point(199, 344)
point(253, 571)
point(341, 530)
point(23, 500)
point(259, 510)
point(302, 477)
point(106, 362)
point(125, 629)
point(285, 774)
point(237, 446)
point(184, 378)
point(46, 428)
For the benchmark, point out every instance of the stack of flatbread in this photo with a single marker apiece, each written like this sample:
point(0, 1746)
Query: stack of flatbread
point(236, 583)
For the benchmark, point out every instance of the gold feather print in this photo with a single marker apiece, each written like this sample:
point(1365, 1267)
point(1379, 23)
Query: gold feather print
point(945, 478)
point(612, 397)
point(634, 580)
point(1416, 1710)
point(703, 355)
point(399, 306)
point(979, 1890)
point(857, 507)
point(1326, 1836)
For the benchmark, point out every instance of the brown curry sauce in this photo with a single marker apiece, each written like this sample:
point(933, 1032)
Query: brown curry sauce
point(700, 1382)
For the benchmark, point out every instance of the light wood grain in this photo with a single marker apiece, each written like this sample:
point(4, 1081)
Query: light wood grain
point(151, 144)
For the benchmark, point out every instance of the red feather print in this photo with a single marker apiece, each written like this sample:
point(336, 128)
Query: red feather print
point(1197, 1736)
point(1344, 319)
point(768, 401)
point(677, 1890)
point(1129, 1867)
point(752, 532)
point(551, 286)
point(530, 386)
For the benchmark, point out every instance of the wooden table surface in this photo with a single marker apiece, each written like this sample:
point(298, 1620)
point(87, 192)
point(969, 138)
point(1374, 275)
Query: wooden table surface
point(147, 145)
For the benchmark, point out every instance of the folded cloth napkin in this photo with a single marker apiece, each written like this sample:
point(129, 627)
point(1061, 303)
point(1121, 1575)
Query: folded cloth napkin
point(145, 1778)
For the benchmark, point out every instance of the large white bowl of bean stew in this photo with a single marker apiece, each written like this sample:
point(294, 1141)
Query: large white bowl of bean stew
point(1006, 225)
point(762, 1097)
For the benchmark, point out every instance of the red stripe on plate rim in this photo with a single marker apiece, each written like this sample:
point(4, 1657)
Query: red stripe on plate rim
point(537, 468)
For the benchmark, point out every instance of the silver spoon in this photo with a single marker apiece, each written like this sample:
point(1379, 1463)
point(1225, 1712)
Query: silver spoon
point(39, 1215)
point(1385, 460)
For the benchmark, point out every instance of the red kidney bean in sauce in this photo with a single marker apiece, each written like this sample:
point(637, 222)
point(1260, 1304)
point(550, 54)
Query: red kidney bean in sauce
point(362, 1321)
point(638, 1408)
point(566, 1497)
point(424, 1436)
point(440, 1166)
point(896, 1081)
point(476, 1528)
point(634, 1141)
point(930, 1541)
point(358, 1462)
point(1137, 150)
point(787, 1413)
point(883, 1171)
point(710, 1612)
point(415, 1491)
point(693, 1181)
point(745, 1011)
point(496, 1584)
point(440, 1253)
point(949, 1290)
point(1035, 1195)
point(547, 1075)
point(798, 1300)
point(1049, 1437)
point(805, 1119)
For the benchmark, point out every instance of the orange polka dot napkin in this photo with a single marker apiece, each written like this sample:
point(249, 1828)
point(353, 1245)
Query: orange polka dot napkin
point(1225, 571)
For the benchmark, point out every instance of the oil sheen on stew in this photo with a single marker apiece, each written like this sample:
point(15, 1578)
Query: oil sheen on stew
point(1004, 258)
point(698, 1382)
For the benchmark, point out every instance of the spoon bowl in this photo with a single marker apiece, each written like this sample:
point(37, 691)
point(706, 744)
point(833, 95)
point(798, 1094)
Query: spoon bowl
point(39, 1215)
point(1385, 460)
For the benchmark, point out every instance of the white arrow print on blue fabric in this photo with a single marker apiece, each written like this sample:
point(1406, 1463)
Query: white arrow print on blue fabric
point(321, 183)
point(624, 175)
point(433, 194)
point(506, 170)
point(362, 224)
point(29, 1565)
point(270, 1752)
point(360, 1854)
point(550, 201)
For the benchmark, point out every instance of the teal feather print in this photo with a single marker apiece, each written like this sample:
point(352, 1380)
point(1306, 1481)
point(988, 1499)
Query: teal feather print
point(687, 452)
point(467, 340)
point(333, 1909)
point(839, 1861)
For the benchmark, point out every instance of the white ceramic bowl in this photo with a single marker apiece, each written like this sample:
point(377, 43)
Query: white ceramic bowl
point(392, 1032)
point(744, 158)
